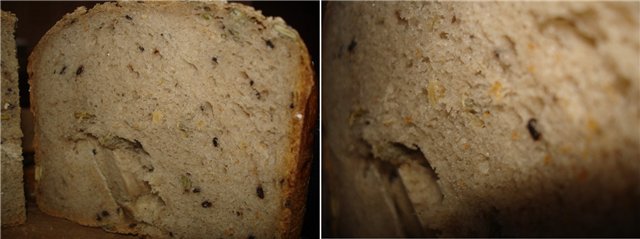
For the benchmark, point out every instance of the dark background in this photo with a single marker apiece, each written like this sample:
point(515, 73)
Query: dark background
point(35, 19)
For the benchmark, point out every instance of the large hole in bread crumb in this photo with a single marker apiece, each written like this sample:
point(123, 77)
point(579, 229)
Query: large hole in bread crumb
point(418, 176)
point(411, 179)
point(121, 162)
point(414, 154)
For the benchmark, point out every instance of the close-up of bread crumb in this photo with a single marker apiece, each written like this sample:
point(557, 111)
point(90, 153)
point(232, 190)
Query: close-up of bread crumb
point(481, 119)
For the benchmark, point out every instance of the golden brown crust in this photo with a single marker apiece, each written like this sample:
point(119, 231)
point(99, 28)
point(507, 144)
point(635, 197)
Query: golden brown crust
point(301, 138)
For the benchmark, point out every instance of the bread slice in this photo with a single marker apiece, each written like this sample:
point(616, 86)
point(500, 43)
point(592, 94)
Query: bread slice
point(173, 119)
point(13, 212)
point(498, 119)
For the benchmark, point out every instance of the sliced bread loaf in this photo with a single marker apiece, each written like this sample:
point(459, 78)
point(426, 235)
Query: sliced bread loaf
point(496, 119)
point(12, 189)
point(173, 119)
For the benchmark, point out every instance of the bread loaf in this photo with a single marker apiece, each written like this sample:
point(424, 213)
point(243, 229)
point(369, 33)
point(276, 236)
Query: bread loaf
point(482, 119)
point(173, 120)
point(13, 212)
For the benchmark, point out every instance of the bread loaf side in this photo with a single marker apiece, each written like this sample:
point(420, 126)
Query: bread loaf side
point(13, 212)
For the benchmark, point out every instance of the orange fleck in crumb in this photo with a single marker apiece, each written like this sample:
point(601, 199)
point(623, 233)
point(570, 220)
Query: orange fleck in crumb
point(408, 120)
point(565, 149)
point(515, 135)
point(547, 159)
point(466, 146)
point(593, 126)
point(496, 89)
point(229, 232)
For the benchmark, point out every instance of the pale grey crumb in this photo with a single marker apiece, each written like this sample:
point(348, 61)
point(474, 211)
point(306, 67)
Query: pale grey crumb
point(457, 83)
point(159, 99)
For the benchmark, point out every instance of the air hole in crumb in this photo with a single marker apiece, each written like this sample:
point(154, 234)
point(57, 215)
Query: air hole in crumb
point(251, 237)
point(269, 44)
point(215, 141)
point(454, 19)
point(64, 68)
point(72, 21)
point(196, 190)
point(128, 17)
point(94, 151)
point(251, 82)
point(215, 60)
point(156, 51)
point(444, 35)
point(415, 154)
point(80, 70)
point(141, 48)
point(401, 20)
point(148, 168)
point(206, 204)
point(104, 213)
point(291, 106)
point(260, 192)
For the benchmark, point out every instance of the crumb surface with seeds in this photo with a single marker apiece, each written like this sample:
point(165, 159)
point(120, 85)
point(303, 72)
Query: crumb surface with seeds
point(152, 120)
point(482, 119)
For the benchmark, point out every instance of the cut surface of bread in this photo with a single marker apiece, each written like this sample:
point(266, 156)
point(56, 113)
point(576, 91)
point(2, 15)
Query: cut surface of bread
point(173, 119)
point(13, 211)
point(482, 119)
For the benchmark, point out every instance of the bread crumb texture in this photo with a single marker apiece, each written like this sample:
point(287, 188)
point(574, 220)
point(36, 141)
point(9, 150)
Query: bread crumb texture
point(13, 211)
point(482, 119)
point(170, 120)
